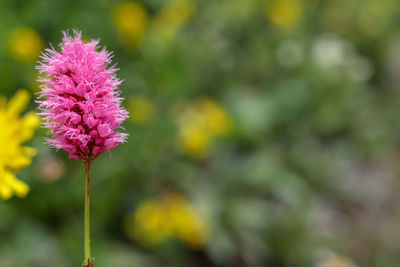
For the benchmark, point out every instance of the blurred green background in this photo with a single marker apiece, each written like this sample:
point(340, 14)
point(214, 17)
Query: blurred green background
point(262, 133)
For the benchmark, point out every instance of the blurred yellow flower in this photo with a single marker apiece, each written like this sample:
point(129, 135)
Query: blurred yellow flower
point(172, 17)
point(13, 132)
point(284, 13)
point(130, 19)
point(25, 45)
point(215, 117)
point(195, 139)
point(199, 123)
point(336, 261)
point(141, 109)
point(171, 216)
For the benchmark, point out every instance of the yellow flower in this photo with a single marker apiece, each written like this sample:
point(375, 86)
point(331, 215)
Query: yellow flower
point(13, 132)
point(195, 139)
point(336, 261)
point(168, 217)
point(25, 45)
point(200, 123)
point(131, 20)
point(215, 117)
point(172, 17)
point(141, 109)
point(284, 13)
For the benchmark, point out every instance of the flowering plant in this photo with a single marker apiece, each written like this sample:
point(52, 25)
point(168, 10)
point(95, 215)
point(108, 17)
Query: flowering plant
point(14, 131)
point(81, 106)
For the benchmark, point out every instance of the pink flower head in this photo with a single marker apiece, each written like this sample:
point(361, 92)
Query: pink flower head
point(80, 101)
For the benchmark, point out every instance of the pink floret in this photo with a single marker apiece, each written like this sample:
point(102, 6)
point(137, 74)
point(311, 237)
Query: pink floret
point(80, 102)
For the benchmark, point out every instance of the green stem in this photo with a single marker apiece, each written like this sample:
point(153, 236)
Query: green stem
point(88, 261)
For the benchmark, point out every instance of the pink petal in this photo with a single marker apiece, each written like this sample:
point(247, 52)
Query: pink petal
point(104, 130)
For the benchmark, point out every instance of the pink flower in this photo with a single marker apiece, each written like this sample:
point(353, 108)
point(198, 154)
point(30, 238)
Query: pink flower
point(79, 100)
